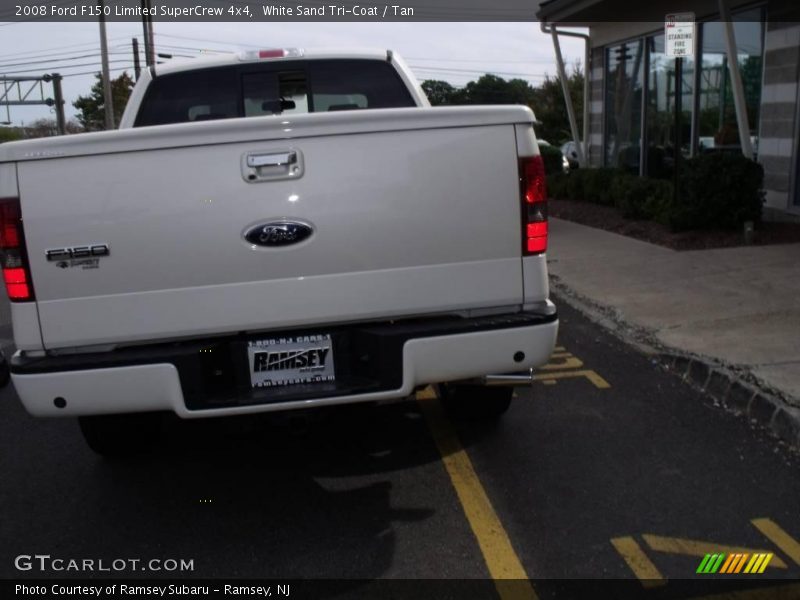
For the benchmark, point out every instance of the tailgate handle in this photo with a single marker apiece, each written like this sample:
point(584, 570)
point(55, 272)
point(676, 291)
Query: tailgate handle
point(274, 164)
point(272, 160)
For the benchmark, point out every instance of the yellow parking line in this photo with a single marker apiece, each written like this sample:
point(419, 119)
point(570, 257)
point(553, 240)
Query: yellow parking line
point(780, 538)
point(598, 381)
point(569, 362)
point(672, 545)
point(502, 561)
point(637, 560)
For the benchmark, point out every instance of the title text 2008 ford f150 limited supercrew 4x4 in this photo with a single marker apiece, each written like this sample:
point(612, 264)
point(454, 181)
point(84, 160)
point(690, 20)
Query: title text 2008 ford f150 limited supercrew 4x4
point(274, 230)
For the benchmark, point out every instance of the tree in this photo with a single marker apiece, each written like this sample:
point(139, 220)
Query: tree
point(49, 127)
point(546, 100)
point(550, 108)
point(9, 134)
point(92, 107)
point(438, 92)
point(488, 89)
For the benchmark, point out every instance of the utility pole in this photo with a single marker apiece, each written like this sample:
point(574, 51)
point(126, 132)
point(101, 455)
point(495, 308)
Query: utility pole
point(150, 33)
point(145, 35)
point(147, 30)
point(136, 68)
point(108, 101)
point(61, 122)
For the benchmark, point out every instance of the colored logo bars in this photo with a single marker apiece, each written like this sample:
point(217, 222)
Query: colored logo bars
point(735, 563)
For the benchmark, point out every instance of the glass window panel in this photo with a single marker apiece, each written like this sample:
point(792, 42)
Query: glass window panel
point(624, 81)
point(717, 127)
point(661, 84)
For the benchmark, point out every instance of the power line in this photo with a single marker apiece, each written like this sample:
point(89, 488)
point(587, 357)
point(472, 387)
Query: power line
point(54, 60)
point(178, 47)
point(477, 71)
point(39, 70)
point(194, 39)
point(114, 70)
point(49, 51)
point(476, 60)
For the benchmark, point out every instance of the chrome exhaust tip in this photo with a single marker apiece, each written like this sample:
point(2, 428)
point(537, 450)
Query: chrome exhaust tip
point(512, 379)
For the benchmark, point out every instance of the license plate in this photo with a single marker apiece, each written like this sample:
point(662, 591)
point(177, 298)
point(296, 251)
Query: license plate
point(290, 360)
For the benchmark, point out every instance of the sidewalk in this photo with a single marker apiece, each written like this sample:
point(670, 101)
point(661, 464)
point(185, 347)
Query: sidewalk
point(736, 306)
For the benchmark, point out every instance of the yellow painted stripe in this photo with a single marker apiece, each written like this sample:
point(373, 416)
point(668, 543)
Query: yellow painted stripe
point(765, 563)
point(699, 548)
point(782, 592)
point(727, 563)
point(590, 375)
point(753, 562)
point(504, 566)
point(741, 563)
point(787, 544)
point(757, 565)
point(569, 362)
point(638, 562)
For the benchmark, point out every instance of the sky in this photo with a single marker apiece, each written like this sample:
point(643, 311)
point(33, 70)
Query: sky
point(454, 52)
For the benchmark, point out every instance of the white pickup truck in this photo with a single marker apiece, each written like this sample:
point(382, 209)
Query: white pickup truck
point(274, 230)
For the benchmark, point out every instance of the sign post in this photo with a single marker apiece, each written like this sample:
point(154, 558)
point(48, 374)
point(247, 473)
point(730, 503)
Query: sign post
point(679, 34)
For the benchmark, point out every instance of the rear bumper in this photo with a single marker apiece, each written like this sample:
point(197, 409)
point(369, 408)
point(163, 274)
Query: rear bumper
point(378, 362)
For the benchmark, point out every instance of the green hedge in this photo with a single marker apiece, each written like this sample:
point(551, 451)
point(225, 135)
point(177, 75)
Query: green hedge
point(717, 191)
point(589, 185)
point(641, 197)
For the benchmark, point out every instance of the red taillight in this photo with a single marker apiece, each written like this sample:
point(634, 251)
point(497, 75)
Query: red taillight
point(17, 283)
point(534, 204)
point(13, 259)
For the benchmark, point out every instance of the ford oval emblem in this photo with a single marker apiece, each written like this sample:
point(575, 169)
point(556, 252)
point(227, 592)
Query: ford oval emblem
point(278, 233)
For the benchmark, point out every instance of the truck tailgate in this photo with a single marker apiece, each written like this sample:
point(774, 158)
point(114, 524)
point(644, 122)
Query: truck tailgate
point(405, 222)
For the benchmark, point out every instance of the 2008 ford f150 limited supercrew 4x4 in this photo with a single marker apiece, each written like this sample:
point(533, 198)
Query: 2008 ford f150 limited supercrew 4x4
point(274, 230)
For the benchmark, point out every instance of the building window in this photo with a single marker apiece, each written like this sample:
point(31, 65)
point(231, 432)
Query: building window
point(639, 76)
point(624, 87)
point(716, 126)
point(660, 109)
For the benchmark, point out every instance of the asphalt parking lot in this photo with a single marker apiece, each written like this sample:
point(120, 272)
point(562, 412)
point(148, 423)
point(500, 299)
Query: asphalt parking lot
point(607, 468)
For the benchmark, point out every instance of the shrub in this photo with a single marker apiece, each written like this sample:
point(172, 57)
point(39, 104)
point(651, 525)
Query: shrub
point(590, 185)
point(717, 191)
point(557, 186)
point(597, 187)
point(575, 184)
point(641, 197)
point(553, 159)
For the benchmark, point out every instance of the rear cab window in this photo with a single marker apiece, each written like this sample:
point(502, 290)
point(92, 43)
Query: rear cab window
point(278, 88)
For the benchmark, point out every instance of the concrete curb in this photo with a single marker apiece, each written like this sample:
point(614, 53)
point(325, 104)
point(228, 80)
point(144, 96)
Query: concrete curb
point(733, 389)
point(760, 405)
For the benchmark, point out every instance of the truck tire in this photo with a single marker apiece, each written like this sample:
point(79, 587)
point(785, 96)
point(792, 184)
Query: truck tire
point(121, 435)
point(476, 401)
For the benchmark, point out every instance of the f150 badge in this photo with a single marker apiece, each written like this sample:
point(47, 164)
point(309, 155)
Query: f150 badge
point(86, 257)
